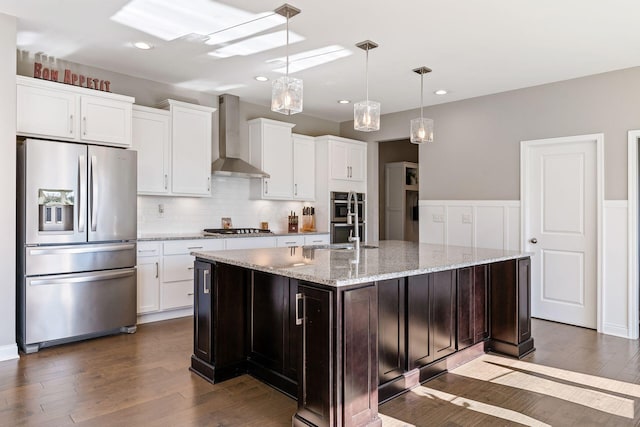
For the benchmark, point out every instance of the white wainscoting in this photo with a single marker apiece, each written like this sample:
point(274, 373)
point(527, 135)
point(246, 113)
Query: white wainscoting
point(8, 352)
point(616, 304)
point(496, 224)
point(479, 223)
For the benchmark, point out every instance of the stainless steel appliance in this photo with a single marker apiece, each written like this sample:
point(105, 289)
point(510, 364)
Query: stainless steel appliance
point(339, 228)
point(76, 244)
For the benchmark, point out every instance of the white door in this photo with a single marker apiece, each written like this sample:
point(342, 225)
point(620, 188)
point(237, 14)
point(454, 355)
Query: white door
point(560, 191)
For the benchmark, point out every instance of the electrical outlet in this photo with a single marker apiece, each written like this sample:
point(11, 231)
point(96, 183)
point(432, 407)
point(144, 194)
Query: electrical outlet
point(438, 218)
point(467, 218)
point(160, 210)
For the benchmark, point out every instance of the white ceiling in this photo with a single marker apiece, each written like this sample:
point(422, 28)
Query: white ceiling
point(474, 47)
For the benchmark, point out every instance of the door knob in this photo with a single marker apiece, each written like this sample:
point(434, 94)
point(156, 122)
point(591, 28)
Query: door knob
point(534, 240)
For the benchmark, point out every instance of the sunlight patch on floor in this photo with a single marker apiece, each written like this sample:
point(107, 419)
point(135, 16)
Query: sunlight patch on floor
point(388, 421)
point(494, 411)
point(494, 369)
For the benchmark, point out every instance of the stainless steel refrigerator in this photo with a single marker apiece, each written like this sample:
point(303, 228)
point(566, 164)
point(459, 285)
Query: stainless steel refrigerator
point(76, 243)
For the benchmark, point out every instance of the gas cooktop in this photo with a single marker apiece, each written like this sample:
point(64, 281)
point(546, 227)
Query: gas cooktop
point(236, 231)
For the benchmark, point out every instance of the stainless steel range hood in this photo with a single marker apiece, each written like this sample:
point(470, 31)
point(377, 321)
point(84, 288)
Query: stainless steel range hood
point(229, 112)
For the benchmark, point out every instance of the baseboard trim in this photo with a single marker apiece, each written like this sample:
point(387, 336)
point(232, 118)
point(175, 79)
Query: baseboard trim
point(164, 315)
point(616, 330)
point(9, 352)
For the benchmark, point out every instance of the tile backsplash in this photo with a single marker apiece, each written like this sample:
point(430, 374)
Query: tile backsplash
point(229, 198)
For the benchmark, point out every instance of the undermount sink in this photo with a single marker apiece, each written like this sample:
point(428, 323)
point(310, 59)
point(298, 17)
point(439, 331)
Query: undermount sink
point(339, 246)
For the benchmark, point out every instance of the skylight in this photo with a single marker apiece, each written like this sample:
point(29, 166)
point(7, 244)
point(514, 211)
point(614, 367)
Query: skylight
point(311, 58)
point(256, 44)
point(170, 20)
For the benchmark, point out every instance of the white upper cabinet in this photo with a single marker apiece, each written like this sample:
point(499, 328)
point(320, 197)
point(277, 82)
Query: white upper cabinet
point(190, 148)
point(151, 137)
point(55, 110)
point(304, 167)
point(347, 159)
point(271, 149)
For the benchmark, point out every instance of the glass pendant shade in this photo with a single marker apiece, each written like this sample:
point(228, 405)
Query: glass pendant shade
point(422, 127)
point(286, 95)
point(421, 130)
point(286, 92)
point(366, 116)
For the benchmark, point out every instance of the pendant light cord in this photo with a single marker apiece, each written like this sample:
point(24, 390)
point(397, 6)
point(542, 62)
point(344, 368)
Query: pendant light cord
point(287, 47)
point(366, 73)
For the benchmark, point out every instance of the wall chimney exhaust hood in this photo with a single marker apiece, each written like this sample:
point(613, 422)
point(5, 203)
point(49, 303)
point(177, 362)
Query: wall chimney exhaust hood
point(229, 133)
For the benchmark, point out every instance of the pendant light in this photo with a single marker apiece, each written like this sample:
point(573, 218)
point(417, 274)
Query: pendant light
point(366, 114)
point(286, 92)
point(421, 128)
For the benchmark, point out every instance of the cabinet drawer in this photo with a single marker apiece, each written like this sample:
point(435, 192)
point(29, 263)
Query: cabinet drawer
point(185, 247)
point(317, 239)
point(287, 241)
point(177, 294)
point(177, 267)
point(145, 249)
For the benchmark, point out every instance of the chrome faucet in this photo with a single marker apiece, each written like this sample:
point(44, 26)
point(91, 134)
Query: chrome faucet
point(354, 235)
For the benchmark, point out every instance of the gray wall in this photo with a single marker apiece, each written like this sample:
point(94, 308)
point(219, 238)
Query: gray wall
point(476, 153)
point(8, 180)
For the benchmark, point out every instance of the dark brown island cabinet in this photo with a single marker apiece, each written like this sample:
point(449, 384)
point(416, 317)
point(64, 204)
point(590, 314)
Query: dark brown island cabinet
point(341, 350)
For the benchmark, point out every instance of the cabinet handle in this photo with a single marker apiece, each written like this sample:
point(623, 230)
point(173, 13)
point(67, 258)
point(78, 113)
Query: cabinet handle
point(84, 123)
point(208, 183)
point(205, 287)
point(266, 187)
point(71, 124)
point(189, 268)
point(140, 251)
point(295, 191)
point(166, 181)
point(190, 294)
point(157, 270)
point(298, 300)
point(194, 247)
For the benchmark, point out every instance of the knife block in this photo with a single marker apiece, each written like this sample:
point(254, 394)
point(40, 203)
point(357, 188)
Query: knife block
point(293, 224)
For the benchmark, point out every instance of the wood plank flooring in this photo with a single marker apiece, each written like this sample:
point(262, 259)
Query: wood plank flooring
point(575, 377)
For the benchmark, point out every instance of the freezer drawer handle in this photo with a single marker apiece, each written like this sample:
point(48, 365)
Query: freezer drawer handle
point(82, 249)
point(94, 277)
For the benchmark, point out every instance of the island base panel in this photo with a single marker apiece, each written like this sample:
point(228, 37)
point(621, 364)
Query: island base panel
point(514, 350)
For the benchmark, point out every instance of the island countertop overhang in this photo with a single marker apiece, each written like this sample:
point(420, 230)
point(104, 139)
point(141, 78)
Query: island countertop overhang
point(345, 267)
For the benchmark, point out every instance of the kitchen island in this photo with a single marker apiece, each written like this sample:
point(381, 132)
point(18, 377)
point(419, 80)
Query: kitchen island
point(342, 330)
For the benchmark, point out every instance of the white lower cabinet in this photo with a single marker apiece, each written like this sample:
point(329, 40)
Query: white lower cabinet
point(289, 241)
point(148, 261)
point(317, 239)
point(251, 242)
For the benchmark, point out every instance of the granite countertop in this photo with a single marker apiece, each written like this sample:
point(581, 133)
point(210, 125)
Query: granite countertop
point(144, 237)
point(342, 267)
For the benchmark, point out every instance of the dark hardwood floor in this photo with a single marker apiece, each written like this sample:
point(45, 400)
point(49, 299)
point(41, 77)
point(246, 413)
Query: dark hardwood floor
point(575, 377)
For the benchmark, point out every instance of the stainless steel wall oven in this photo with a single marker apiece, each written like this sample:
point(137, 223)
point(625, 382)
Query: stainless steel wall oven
point(339, 229)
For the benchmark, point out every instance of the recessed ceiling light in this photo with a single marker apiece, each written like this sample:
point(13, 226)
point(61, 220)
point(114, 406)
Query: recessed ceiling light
point(143, 45)
point(261, 78)
point(344, 101)
point(440, 92)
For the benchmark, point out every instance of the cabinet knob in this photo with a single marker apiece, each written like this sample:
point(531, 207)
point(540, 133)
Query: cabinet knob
point(533, 240)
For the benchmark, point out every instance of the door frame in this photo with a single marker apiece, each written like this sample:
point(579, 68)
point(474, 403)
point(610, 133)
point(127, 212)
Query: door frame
point(525, 201)
point(632, 232)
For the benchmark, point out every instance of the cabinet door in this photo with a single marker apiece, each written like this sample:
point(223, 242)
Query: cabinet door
point(304, 172)
point(442, 286)
point(148, 284)
point(46, 112)
point(277, 161)
point(357, 162)
point(524, 302)
point(292, 332)
point(391, 337)
point(268, 295)
point(203, 315)
point(419, 327)
point(191, 151)
point(338, 163)
point(105, 120)
point(315, 392)
point(151, 137)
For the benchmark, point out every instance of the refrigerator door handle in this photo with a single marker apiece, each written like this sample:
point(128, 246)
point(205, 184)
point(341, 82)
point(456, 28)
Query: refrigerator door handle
point(94, 194)
point(84, 249)
point(82, 278)
point(82, 189)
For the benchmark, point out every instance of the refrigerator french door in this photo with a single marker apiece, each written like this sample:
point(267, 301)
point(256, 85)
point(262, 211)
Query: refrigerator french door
point(76, 242)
